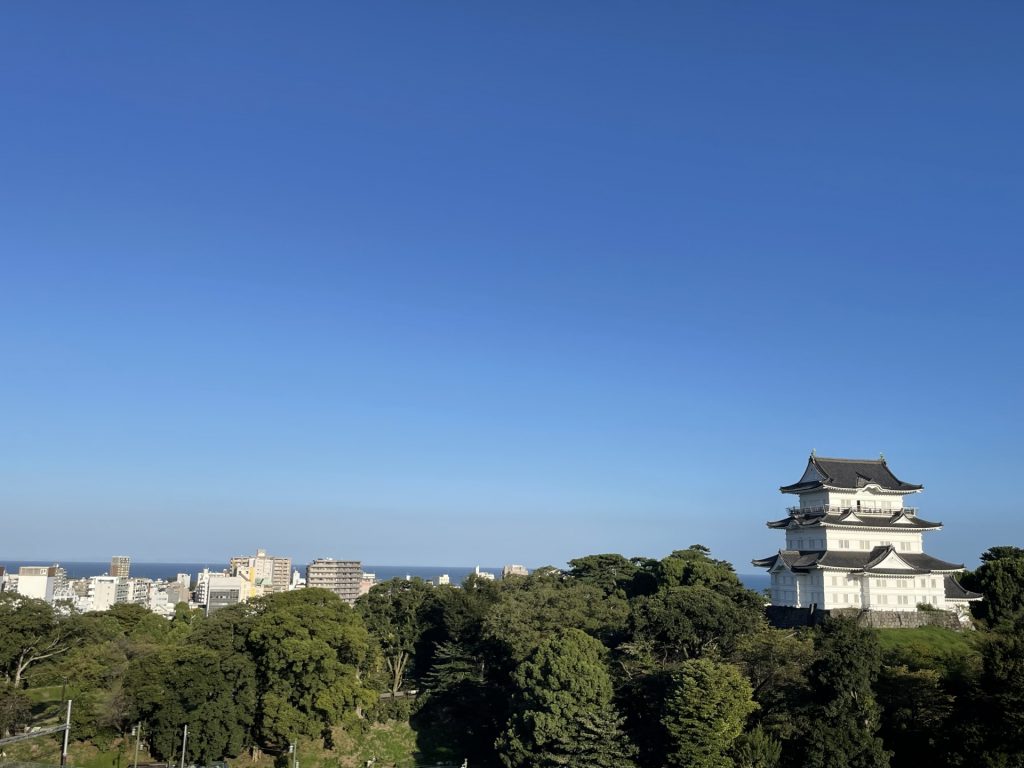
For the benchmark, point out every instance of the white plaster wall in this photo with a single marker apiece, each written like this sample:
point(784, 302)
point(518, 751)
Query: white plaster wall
point(806, 538)
point(869, 498)
point(39, 586)
point(862, 540)
point(903, 593)
point(842, 590)
point(811, 500)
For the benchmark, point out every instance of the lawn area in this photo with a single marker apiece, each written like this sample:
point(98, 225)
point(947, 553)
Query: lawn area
point(929, 642)
point(392, 744)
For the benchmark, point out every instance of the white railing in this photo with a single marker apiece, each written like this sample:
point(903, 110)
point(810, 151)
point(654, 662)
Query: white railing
point(822, 509)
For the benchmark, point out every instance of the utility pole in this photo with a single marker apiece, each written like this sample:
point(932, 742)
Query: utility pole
point(67, 731)
point(184, 743)
point(138, 738)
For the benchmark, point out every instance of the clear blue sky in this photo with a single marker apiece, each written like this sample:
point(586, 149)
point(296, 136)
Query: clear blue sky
point(447, 283)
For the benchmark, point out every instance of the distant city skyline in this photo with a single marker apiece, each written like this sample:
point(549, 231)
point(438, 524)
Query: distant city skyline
point(502, 284)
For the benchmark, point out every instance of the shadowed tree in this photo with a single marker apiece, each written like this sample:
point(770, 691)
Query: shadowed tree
point(395, 613)
point(704, 714)
point(565, 716)
point(844, 723)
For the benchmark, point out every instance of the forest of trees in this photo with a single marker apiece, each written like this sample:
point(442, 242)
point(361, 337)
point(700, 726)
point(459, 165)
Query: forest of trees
point(614, 662)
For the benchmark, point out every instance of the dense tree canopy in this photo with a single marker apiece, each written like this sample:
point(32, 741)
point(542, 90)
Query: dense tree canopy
point(564, 714)
point(843, 727)
point(615, 661)
point(706, 710)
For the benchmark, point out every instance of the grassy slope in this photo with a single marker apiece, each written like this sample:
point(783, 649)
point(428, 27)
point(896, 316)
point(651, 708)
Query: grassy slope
point(393, 744)
point(929, 642)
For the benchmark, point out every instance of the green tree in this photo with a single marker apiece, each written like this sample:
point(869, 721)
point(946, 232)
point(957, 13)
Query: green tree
point(704, 714)
point(612, 574)
point(310, 651)
point(776, 662)
point(757, 749)
point(15, 709)
point(679, 623)
point(533, 607)
point(31, 633)
point(1000, 578)
point(565, 715)
point(395, 614)
point(208, 681)
point(694, 567)
point(1001, 737)
point(843, 726)
point(915, 712)
point(464, 696)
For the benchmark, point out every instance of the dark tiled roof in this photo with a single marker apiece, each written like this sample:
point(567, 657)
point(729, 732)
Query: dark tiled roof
point(954, 590)
point(843, 519)
point(851, 473)
point(929, 563)
point(858, 561)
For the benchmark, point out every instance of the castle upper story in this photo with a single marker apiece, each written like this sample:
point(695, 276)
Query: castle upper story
point(859, 485)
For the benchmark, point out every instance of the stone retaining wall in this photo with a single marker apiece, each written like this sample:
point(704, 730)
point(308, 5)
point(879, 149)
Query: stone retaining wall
point(787, 617)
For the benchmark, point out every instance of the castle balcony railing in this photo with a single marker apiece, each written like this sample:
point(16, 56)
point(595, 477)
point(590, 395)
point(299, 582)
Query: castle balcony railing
point(838, 509)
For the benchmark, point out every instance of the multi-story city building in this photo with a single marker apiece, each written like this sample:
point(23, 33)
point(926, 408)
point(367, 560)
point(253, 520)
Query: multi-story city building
point(366, 582)
point(176, 592)
point(120, 565)
point(486, 575)
point(851, 542)
point(37, 581)
point(105, 591)
point(203, 584)
point(139, 590)
point(223, 590)
point(263, 574)
point(342, 577)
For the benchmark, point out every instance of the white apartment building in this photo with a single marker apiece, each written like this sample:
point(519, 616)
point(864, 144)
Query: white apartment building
point(37, 581)
point(851, 542)
point(105, 591)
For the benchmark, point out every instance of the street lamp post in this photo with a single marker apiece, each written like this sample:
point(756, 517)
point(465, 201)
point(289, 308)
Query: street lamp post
point(137, 732)
point(184, 743)
point(67, 731)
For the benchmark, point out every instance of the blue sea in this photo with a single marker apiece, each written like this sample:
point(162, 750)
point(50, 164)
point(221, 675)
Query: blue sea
point(167, 571)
